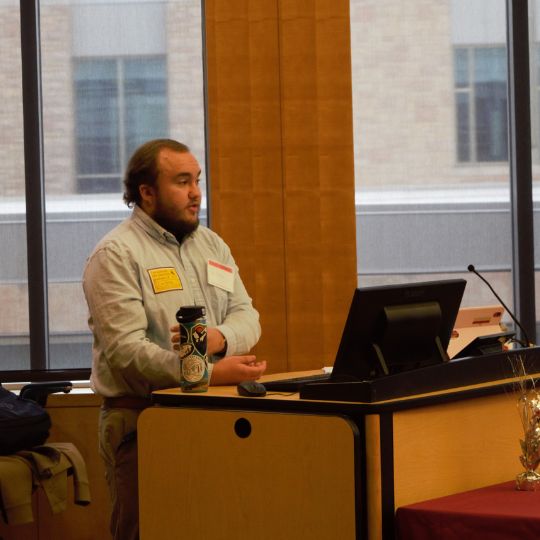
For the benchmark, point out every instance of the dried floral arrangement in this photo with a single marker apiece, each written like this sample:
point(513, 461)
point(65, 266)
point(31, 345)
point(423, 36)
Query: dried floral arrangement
point(529, 413)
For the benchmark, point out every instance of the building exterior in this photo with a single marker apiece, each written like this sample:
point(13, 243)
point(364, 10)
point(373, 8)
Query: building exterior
point(429, 96)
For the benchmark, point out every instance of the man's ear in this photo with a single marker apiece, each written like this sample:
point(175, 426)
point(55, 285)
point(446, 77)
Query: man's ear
point(148, 197)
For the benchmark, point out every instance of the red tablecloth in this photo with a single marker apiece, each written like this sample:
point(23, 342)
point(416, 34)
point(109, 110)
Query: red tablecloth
point(497, 512)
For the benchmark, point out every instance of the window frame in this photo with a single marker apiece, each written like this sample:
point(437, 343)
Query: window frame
point(521, 185)
point(470, 89)
point(121, 129)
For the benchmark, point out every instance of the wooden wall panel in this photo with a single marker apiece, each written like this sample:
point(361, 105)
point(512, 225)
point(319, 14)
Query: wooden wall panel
point(280, 113)
point(336, 167)
point(245, 155)
point(318, 175)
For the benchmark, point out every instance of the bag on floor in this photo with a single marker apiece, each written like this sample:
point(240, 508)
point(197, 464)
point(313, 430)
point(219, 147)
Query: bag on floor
point(23, 423)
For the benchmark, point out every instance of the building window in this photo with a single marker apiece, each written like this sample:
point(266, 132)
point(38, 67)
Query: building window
point(120, 103)
point(480, 76)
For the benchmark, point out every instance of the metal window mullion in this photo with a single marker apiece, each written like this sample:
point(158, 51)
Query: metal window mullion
point(472, 104)
point(519, 136)
point(34, 184)
point(122, 128)
point(207, 134)
point(535, 88)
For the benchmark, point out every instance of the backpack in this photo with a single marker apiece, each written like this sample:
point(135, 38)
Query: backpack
point(23, 423)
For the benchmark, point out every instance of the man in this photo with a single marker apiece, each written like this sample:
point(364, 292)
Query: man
point(135, 280)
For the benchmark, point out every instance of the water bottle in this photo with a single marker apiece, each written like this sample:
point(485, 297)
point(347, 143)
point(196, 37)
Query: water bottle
point(193, 357)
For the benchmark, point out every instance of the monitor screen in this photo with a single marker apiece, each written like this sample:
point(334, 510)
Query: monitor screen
point(394, 328)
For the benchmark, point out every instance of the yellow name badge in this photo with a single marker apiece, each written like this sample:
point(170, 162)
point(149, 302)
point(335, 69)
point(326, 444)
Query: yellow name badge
point(165, 279)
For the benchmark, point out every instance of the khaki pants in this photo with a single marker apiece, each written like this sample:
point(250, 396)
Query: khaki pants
point(118, 448)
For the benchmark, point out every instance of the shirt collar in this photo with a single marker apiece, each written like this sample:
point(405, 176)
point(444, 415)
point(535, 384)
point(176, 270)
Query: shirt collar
point(141, 218)
point(155, 230)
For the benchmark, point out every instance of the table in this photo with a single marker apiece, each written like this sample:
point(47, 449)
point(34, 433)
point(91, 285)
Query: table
point(497, 512)
point(386, 455)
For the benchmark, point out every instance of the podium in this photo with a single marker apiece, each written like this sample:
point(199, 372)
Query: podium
point(241, 474)
point(336, 468)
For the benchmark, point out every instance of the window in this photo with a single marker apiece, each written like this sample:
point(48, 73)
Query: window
point(14, 321)
point(433, 177)
point(481, 105)
point(421, 214)
point(120, 103)
point(113, 75)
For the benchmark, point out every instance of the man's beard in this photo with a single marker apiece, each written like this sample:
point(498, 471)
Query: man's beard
point(180, 228)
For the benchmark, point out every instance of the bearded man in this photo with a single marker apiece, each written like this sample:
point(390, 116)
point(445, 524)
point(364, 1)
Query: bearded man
point(137, 277)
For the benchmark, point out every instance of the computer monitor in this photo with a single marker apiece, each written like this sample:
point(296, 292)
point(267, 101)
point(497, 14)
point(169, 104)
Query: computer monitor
point(395, 328)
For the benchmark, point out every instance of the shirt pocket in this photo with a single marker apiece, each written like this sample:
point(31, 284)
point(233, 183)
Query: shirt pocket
point(219, 299)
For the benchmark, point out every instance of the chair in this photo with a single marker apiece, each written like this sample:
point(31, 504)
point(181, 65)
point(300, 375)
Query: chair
point(46, 466)
point(39, 391)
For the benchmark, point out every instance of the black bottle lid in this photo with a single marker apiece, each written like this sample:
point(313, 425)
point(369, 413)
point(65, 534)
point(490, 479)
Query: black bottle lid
point(190, 313)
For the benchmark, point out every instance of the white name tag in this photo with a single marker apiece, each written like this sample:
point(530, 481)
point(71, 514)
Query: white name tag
point(221, 276)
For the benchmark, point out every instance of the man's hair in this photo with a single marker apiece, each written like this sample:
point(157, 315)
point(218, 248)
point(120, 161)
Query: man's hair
point(142, 167)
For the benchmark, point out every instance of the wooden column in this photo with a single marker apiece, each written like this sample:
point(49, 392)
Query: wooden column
point(281, 167)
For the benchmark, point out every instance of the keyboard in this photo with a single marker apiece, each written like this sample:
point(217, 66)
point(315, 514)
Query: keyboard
point(294, 384)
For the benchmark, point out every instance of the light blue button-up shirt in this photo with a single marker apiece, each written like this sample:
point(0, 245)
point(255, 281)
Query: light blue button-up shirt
point(132, 351)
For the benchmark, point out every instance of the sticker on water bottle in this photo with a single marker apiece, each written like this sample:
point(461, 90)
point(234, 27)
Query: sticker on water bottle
point(186, 349)
point(193, 368)
point(198, 336)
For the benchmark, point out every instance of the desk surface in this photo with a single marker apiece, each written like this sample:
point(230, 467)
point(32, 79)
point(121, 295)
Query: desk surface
point(496, 512)
point(440, 383)
point(227, 396)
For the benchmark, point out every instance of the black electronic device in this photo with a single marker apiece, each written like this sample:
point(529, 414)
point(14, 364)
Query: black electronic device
point(528, 342)
point(251, 389)
point(391, 329)
point(293, 384)
point(395, 328)
point(487, 344)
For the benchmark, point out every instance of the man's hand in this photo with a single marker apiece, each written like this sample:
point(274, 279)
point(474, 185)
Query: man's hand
point(234, 369)
point(215, 342)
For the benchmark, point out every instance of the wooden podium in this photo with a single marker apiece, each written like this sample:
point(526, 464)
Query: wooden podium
point(241, 474)
point(319, 468)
